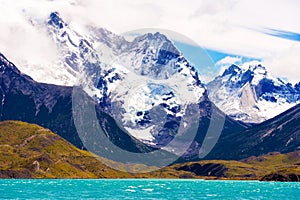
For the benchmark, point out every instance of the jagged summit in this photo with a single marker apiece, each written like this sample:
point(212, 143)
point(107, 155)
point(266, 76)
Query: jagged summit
point(154, 37)
point(233, 69)
point(157, 39)
point(252, 94)
point(56, 20)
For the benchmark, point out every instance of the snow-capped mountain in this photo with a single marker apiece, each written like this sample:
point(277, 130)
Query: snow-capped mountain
point(51, 106)
point(146, 84)
point(251, 94)
point(156, 87)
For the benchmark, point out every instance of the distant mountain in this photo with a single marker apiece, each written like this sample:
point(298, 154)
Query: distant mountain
point(51, 106)
point(252, 95)
point(279, 134)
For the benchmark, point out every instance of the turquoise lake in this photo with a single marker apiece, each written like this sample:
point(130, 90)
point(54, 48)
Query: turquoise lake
point(145, 189)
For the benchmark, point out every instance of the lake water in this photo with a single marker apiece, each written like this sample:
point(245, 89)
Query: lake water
point(145, 189)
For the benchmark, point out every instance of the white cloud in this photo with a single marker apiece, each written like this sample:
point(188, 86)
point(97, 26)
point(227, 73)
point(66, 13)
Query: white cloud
point(227, 61)
point(20, 41)
point(285, 64)
point(245, 65)
point(229, 26)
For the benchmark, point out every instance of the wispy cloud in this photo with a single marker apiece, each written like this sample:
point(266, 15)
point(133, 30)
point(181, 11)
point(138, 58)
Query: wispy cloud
point(229, 26)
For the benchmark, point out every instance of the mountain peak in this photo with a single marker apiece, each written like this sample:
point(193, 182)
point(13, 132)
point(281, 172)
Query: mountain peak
point(158, 41)
point(152, 36)
point(235, 91)
point(158, 35)
point(258, 69)
point(56, 20)
point(232, 69)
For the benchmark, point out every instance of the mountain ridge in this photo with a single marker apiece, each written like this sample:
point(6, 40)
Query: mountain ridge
point(279, 134)
point(252, 95)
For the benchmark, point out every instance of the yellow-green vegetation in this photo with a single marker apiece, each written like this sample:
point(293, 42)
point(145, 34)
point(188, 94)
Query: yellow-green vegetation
point(276, 162)
point(31, 151)
point(253, 167)
point(257, 167)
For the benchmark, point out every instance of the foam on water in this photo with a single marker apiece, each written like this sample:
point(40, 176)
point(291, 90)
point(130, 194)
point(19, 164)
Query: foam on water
point(145, 189)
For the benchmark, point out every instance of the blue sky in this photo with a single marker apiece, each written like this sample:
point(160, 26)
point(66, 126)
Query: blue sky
point(205, 59)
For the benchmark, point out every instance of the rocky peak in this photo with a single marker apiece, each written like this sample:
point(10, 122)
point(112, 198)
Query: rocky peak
point(156, 41)
point(56, 21)
point(151, 36)
point(232, 69)
point(252, 94)
point(258, 67)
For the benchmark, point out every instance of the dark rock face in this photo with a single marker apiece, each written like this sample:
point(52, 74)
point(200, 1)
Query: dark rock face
point(55, 20)
point(282, 177)
point(297, 86)
point(206, 107)
point(279, 134)
point(233, 69)
point(209, 169)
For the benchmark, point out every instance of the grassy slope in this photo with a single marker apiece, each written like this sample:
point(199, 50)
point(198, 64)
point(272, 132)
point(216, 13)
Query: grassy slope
point(257, 167)
point(21, 144)
point(30, 151)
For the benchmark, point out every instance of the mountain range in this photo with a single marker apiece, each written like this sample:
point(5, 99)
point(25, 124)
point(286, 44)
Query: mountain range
point(51, 106)
point(145, 92)
point(109, 66)
point(252, 94)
